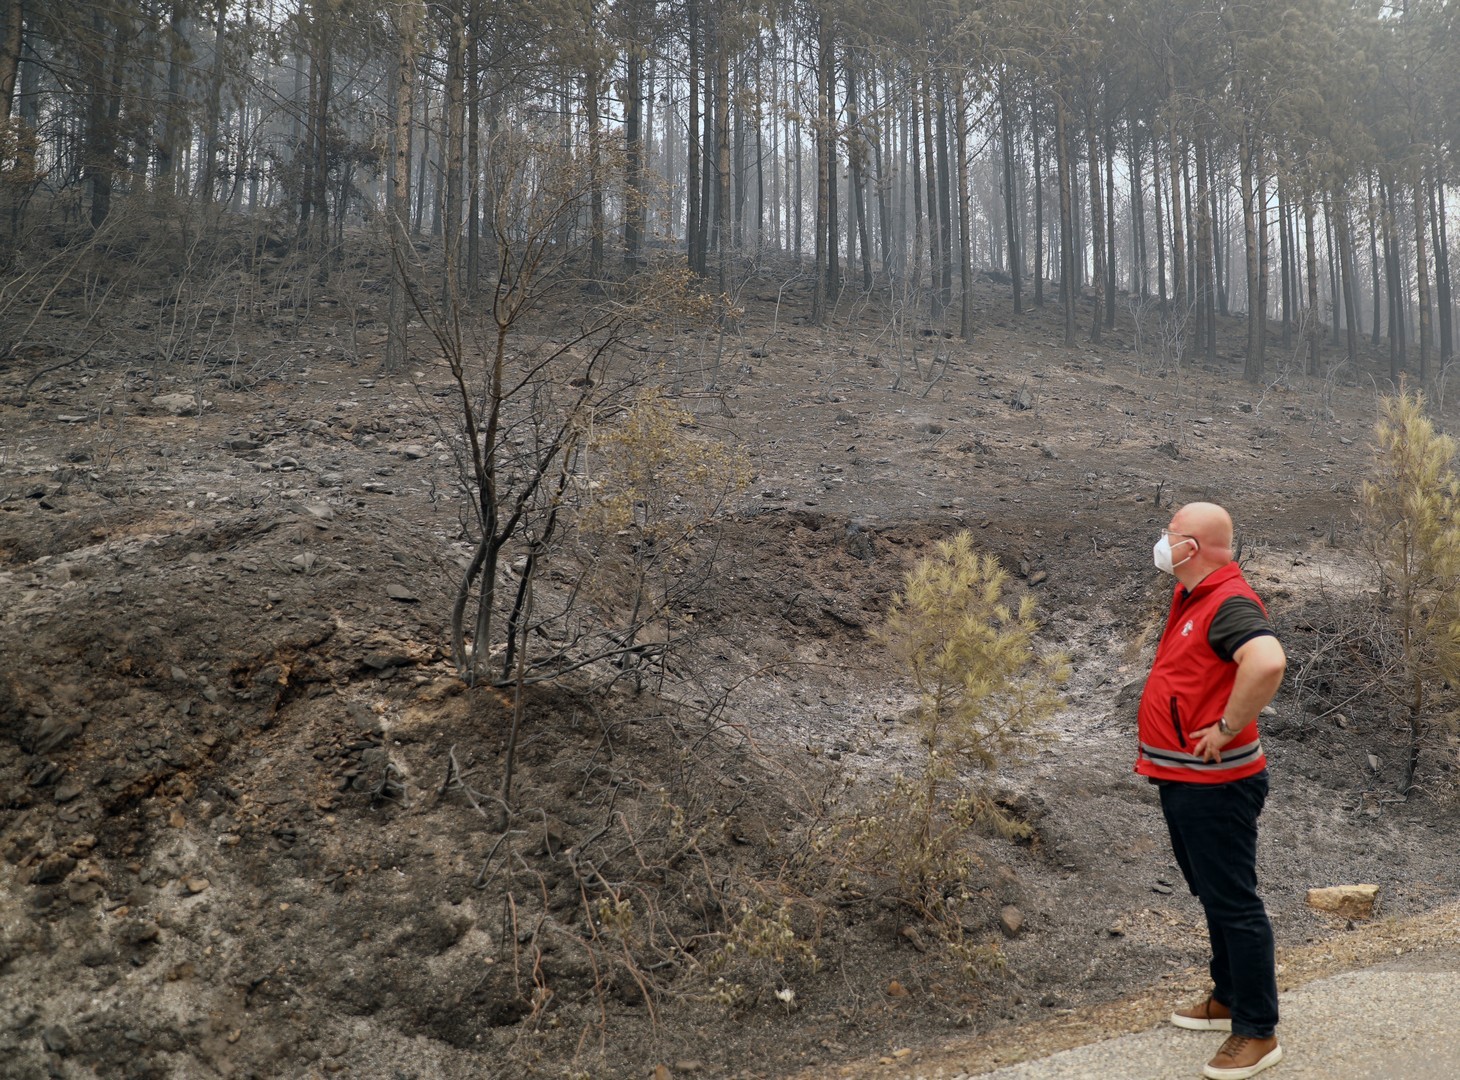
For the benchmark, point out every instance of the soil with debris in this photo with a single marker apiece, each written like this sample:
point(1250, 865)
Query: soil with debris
point(246, 806)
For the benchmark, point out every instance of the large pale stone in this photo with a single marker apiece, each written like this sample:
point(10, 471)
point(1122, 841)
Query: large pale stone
point(179, 404)
point(1350, 901)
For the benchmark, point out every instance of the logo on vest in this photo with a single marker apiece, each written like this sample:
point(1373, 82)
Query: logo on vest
point(1188, 628)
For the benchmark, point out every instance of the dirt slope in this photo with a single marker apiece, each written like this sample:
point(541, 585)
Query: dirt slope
point(245, 804)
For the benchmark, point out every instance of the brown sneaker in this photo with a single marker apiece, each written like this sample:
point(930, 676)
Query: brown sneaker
point(1208, 1015)
point(1241, 1057)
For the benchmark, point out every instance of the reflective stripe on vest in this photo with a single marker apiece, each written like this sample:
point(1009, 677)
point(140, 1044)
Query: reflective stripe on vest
point(1175, 759)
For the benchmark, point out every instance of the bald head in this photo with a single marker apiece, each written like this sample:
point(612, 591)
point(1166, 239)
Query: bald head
point(1211, 526)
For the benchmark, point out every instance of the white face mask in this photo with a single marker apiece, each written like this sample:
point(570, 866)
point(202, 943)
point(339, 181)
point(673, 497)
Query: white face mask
point(1161, 553)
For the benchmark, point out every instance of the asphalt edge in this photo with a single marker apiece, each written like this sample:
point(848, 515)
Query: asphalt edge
point(1351, 946)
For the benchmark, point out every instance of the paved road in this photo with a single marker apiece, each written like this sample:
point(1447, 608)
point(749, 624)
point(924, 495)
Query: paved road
point(1394, 1021)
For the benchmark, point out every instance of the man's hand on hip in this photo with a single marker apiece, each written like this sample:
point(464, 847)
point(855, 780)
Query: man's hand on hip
point(1210, 742)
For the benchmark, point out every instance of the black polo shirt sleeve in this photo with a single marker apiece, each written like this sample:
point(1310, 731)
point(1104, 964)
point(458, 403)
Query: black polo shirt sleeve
point(1237, 621)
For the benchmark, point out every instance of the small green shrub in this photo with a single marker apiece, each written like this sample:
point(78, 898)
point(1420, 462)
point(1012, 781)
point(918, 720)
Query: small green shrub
point(982, 687)
point(1411, 507)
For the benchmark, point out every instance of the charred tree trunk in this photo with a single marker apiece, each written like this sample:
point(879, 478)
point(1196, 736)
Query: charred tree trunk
point(1110, 263)
point(821, 292)
point(1442, 266)
point(724, 240)
point(965, 238)
point(170, 141)
point(945, 195)
point(1006, 127)
point(930, 174)
point(1252, 366)
point(1349, 282)
point(1263, 269)
point(1422, 281)
point(455, 117)
point(1068, 286)
point(1285, 282)
point(856, 163)
point(1219, 267)
point(1392, 279)
point(1313, 326)
point(708, 156)
point(12, 12)
point(212, 117)
point(1178, 238)
point(695, 257)
point(1140, 276)
point(1205, 294)
point(1376, 289)
point(1038, 162)
point(398, 204)
point(1162, 297)
point(911, 145)
point(1097, 219)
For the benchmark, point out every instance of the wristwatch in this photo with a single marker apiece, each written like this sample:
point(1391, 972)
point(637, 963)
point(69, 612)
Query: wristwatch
point(1224, 729)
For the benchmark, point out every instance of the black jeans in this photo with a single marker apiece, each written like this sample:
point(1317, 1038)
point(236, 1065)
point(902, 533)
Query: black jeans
point(1214, 836)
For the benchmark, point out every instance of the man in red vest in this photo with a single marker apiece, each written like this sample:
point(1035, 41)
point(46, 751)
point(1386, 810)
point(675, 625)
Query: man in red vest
point(1217, 665)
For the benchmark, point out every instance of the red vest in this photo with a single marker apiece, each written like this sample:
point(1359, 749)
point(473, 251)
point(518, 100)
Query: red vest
point(1188, 689)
